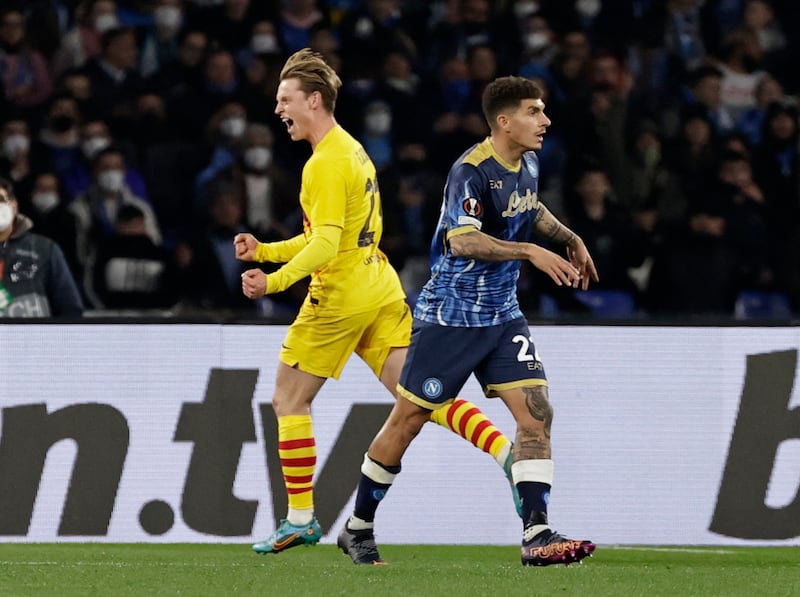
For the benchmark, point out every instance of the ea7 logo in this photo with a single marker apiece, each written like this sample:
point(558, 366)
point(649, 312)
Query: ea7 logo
point(495, 184)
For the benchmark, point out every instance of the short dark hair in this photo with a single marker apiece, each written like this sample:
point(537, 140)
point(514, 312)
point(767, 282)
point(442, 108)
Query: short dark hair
point(732, 155)
point(6, 185)
point(110, 150)
point(702, 72)
point(110, 36)
point(506, 93)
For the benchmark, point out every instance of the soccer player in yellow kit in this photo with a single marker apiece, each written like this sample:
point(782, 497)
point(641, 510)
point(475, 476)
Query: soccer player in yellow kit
point(355, 301)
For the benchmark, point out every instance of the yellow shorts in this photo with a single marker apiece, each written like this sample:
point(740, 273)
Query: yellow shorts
point(322, 345)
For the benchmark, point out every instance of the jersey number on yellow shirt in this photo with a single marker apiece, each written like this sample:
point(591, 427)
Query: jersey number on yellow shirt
point(367, 236)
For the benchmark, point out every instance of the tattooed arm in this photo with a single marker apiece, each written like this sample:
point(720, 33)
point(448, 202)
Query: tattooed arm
point(477, 245)
point(550, 228)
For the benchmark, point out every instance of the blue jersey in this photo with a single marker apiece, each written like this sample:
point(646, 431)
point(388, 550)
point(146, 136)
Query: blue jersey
point(483, 193)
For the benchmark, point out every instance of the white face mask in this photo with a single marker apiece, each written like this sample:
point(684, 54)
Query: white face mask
point(105, 22)
point(6, 216)
point(588, 8)
point(523, 9)
point(536, 41)
point(264, 43)
point(13, 145)
point(258, 158)
point(378, 123)
point(44, 201)
point(93, 145)
point(233, 127)
point(111, 181)
point(168, 17)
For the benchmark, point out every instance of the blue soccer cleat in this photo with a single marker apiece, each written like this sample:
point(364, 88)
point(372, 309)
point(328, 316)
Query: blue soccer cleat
point(288, 535)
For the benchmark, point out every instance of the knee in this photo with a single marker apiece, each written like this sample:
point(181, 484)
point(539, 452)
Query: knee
point(411, 425)
point(538, 407)
point(285, 404)
point(408, 422)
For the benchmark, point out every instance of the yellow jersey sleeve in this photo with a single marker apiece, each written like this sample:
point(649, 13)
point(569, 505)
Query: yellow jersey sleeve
point(320, 250)
point(280, 251)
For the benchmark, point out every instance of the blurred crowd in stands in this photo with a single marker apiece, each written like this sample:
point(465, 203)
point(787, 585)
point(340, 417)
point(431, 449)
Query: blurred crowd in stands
point(140, 136)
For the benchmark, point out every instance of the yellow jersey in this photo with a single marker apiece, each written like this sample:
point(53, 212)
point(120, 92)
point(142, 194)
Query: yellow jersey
point(339, 188)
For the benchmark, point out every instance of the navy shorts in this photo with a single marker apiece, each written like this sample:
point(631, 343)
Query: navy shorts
point(441, 359)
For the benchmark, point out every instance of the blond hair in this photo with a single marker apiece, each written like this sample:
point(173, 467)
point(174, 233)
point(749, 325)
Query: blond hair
point(314, 74)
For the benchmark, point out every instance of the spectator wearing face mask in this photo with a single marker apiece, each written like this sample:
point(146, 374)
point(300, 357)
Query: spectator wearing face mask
point(229, 22)
point(539, 47)
point(264, 43)
point(466, 24)
point(95, 137)
point(160, 42)
point(35, 280)
point(269, 194)
point(82, 41)
point(376, 136)
point(221, 84)
point(96, 210)
point(74, 83)
point(15, 155)
point(46, 206)
point(369, 34)
point(224, 135)
point(260, 63)
point(57, 145)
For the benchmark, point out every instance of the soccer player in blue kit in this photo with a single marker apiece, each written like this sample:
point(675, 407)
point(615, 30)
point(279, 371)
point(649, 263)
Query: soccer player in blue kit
point(470, 306)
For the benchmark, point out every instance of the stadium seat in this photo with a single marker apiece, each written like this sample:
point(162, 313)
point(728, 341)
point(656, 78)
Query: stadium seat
point(757, 304)
point(548, 307)
point(608, 303)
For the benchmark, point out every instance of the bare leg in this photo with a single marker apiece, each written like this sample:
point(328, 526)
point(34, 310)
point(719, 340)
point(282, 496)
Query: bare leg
point(533, 474)
point(533, 414)
point(461, 417)
point(401, 427)
point(294, 392)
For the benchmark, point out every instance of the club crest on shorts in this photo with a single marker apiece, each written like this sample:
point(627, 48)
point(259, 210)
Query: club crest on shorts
point(432, 387)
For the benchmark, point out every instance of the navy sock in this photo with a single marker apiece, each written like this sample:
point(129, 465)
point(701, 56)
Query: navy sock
point(370, 493)
point(535, 497)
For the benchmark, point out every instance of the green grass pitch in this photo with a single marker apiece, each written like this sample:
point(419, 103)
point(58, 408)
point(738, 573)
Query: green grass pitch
point(82, 569)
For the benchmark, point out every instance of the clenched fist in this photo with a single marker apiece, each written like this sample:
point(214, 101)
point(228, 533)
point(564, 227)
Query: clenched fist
point(245, 246)
point(254, 283)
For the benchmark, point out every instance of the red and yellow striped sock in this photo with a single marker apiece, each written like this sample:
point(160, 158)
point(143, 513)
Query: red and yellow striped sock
point(468, 421)
point(298, 453)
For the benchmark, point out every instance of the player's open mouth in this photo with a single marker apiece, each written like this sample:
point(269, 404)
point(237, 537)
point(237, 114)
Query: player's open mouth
point(289, 123)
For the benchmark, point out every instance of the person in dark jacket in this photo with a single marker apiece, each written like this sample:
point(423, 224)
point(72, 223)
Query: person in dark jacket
point(35, 280)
